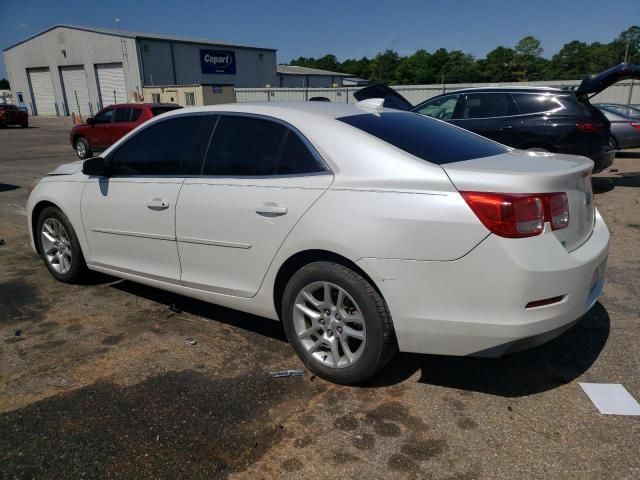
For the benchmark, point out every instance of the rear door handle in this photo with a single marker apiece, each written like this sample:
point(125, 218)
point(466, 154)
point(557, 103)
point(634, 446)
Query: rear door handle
point(271, 210)
point(507, 127)
point(157, 204)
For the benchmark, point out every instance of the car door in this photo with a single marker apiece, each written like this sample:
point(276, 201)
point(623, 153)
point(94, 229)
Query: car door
point(490, 114)
point(99, 133)
point(258, 178)
point(129, 217)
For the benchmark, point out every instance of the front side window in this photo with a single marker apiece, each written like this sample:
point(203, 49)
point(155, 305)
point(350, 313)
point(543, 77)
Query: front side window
point(159, 149)
point(441, 108)
point(421, 136)
point(487, 105)
point(105, 116)
point(122, 114)
point(535, 103)
point(244, 146)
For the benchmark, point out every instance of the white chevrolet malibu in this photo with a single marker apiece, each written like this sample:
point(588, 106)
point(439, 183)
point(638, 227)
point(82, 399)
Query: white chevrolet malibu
point(365, 230)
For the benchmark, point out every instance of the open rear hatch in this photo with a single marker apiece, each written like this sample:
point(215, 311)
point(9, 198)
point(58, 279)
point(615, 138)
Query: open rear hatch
point(594, 84)
point(520, 172)
point(392, 99)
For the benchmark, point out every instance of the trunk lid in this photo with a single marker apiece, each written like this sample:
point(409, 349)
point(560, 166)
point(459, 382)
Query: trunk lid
point(535, 172)
point(593, 84)
point(392, 99)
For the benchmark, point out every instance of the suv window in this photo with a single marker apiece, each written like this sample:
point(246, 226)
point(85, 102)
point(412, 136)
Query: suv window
point(104, 116)
point(433, 141)
point(135, 114)
point(487, 105)
point(244, 146)
point(159, 149)
point(122, 114)
point(441, 108)
point(535, 103)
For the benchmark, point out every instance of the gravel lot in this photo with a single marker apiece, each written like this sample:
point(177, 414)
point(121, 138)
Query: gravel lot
point(100, 383)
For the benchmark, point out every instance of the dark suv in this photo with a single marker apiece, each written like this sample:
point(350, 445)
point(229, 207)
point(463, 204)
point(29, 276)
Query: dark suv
point(536, 118)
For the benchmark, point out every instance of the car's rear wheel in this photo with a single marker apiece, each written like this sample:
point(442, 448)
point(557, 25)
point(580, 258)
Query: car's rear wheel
point(83, 150)
point(337, 323)
point(59, 246)
point(613, 142)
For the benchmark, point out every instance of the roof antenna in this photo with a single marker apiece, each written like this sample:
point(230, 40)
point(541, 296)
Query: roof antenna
point(376, 104)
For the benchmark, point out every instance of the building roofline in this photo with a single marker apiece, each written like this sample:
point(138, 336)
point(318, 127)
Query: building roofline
point(136, 35)
point(297, 70)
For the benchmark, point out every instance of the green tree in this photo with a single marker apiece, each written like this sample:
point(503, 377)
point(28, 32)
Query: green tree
point(571, 61)
point(415, 69)
point(500, 65)
point(4, 84)
point(437, 61)
point(383, 67)
point(358, 68)
point(528, 50)
point(328, 62)
point(461, 67)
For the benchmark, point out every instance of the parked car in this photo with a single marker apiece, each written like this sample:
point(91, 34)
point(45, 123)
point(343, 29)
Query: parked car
point(12, 115)
point(625, 125)
point(111, 124)
point(365, 230)
point(529, 118)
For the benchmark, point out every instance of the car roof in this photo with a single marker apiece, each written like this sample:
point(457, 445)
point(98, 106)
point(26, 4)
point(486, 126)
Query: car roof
point(512, 88)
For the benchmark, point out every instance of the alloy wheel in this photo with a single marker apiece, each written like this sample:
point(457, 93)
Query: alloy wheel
point(56, 245)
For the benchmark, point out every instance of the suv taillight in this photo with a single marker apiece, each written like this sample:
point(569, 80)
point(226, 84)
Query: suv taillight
point(635, 125)
point(513, 215)
point(591, 127)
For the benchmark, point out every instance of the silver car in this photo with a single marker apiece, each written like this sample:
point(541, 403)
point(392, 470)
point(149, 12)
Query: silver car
point(625, 124)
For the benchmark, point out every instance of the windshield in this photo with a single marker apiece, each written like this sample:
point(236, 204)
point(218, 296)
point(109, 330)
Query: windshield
point(431, 140)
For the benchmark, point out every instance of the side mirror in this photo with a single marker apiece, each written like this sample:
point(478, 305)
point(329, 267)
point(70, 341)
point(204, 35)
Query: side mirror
point(90, 121)
point(95, 167)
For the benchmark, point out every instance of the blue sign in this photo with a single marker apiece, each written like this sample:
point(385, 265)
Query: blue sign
point(218, 61)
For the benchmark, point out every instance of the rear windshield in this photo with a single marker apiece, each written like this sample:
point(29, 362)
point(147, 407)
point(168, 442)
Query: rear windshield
point(160, 110)
point(425, 138)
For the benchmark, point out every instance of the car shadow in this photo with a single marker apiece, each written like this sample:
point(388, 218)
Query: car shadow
point(623, 154)
point(6, 187)
point(260, 325)
point(606, 184)
point(520, 374)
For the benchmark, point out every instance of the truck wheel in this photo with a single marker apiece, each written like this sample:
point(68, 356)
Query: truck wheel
point(337, 322)
point(83, 150)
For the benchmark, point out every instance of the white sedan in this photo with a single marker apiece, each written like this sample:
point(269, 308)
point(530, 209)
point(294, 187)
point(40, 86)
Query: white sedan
point(365, 230)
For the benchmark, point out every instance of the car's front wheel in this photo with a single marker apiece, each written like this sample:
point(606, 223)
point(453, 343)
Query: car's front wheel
point(337, 322)
point(59, 246)
point(83, 150)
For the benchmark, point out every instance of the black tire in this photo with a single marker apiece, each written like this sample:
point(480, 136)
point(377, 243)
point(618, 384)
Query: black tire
point(25, 125)
point(380, 344)
point(613, 142)
point(85, 145)
point(78, 271)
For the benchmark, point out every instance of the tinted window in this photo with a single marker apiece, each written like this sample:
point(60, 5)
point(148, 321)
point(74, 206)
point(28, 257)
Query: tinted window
point(440, 108)
point(428, 139)
point(135, 114)
point(160, 110)
point(104, 116)
point(535, 103)
point(122, 114)
point(296, 157)
point(244, 146)
point(485, 105)
point(159, 149)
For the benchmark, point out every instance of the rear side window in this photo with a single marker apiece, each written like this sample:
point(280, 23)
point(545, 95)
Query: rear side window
point(160, 110)
point(159, 149)
point(296, 158)
point(135, 114)
point(487, 105)
point(535, 103)
point(431, 140)
point(122, 114)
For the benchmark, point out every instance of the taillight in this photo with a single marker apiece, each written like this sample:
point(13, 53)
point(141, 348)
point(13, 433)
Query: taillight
point(591, 127)
point(635, 125)
point(519, 215)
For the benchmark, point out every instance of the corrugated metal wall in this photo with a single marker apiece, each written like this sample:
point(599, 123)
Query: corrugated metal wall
point(65, 47)
point(618, 93)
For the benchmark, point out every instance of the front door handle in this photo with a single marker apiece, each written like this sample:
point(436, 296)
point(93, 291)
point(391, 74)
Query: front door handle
point(157, 204)
point(271, 210)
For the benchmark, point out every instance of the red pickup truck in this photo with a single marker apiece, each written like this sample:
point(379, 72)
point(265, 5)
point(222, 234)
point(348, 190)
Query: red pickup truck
point(111, 124)
point(12, 115)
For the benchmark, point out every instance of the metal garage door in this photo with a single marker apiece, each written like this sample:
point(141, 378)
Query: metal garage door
point(111, 84)
point(76, 93)
point(42, 91)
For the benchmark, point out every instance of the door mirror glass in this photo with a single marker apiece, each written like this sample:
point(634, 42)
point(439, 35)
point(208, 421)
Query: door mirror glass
point(90, 121)
point(95, 167)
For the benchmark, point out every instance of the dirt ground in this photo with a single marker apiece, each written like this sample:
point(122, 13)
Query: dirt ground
point(97, 381)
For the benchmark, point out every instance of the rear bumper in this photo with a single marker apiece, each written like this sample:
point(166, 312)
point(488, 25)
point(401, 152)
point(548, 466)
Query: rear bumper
point(603, 159)
point(476, 305)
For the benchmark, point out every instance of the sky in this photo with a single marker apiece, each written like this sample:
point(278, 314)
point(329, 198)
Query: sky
point(348, 29)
